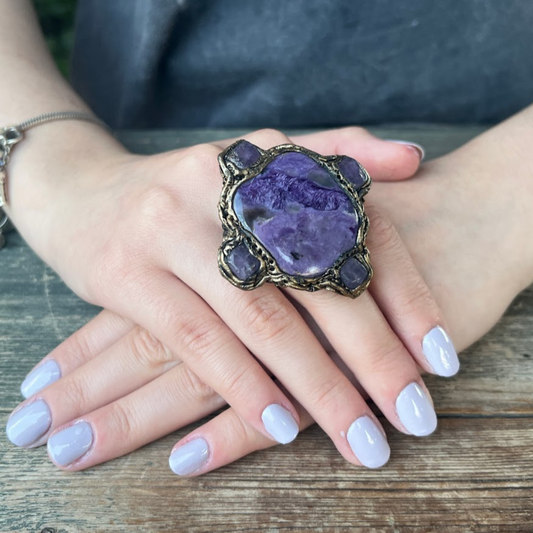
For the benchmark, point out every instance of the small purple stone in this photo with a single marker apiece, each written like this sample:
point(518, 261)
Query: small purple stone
point(300, 214)
point(353, 273)
point(242, 263)
point(244, 155)
point(351, 170)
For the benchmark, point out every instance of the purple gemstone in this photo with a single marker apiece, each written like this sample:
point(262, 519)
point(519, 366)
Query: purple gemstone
point(351, 170)
point(242, 263)
point(244, 155)
point(296, 209)
point(353, 273)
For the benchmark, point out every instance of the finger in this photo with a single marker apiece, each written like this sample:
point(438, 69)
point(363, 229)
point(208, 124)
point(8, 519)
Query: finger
point(227, 438)
point(384, 160)
point(134, 360)
point(173, 400)
point(221, 441)
point(176, 315)
point(268, 324)
point(90, 340)
point(209, 347)
point(405, 299)
point(380, 362)
point(377, 357)
point(182, 398)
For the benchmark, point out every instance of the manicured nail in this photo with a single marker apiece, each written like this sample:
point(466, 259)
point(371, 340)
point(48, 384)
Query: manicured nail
point(368, 443)
point(190, 457)
point(440, 352)
point(279, 423)
point(29, 423)
point(69, 444)
point(40, 377)
point(419, 149)
point(416, 411)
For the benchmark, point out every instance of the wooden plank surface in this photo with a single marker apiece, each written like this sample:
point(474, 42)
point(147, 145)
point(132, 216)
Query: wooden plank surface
point(475, 474)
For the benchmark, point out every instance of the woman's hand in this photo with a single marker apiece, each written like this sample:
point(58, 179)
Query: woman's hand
point(142, 241)
point(435, 214)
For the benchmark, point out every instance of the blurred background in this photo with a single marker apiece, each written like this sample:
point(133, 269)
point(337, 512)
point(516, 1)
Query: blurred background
point(57, 21)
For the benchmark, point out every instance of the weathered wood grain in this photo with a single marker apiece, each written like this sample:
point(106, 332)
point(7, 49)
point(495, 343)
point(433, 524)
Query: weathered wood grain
point(474, 475)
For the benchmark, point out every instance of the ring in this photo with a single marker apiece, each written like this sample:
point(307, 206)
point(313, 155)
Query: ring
point(294, 218)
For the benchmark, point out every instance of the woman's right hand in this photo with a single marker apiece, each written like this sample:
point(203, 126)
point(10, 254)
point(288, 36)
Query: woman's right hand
point(139, 236)
point(447, 197)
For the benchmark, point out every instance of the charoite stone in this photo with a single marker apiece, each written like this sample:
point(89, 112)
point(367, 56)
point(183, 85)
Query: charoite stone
point(242, 263)
point(299, 213)
point(351, 170)
point(353, 273)
point(244, 155)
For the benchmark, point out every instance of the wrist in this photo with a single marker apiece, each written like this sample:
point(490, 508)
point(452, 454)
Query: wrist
point(495, 170)
point(49, 169)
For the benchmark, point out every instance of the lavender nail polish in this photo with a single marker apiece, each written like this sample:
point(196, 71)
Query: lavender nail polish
point(189, 457)
point(368, 443)
point(279, 423)
point(40, 377)
point(29, 423)
point(440, 352)
point(416, 146)
point(416, 411)
point(69, 444)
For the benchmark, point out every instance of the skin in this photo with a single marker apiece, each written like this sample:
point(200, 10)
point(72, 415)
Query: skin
point(159, 284)
point(156, 283)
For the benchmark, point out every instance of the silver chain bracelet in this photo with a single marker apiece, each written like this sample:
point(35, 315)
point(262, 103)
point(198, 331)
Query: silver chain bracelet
point(11, 135)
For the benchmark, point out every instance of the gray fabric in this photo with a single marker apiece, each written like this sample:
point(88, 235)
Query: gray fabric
point(297, 63)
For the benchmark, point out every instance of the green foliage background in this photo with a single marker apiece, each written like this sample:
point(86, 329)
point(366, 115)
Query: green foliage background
point(57, 21)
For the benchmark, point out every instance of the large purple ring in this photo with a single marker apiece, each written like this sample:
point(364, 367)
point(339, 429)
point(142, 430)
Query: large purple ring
point(294, 218)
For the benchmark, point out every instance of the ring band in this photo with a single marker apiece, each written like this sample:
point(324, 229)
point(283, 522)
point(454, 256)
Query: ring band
point(294, 218)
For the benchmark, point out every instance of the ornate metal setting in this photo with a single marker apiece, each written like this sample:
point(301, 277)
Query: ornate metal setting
point(268, 270)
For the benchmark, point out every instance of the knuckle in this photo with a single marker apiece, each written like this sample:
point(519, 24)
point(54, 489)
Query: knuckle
point(416, 299)
point(240, 383)
point(201, 159)
point(243, 433)
point(329, 395)
point(349, 132)
point(194, 387)
point(77, 349)
point(74, 392)
point(120, 422)
point(383, 356)
point(155, 205)
point(270, 137)
point(199, 335)
point(147, 350)
point(266, 315)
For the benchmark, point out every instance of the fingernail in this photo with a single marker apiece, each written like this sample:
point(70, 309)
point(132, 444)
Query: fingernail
point(279, 423)
point(29, 423)
point(40, 377)
point(419, 149)
point(69, 444)
point(440, 352)
point(368, 443)
point(416, 411)
point(190, 457)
